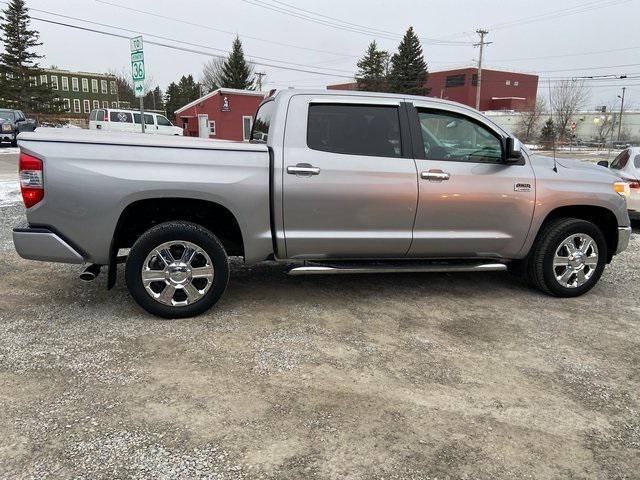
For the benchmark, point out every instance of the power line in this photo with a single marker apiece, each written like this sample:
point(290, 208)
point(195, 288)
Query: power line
point(226, 32)
point(183, 49)
point(345, 27)
point(173, 40)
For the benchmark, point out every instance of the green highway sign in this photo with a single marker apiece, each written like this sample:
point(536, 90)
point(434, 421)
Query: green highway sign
point(138, 88)
point(137, 66)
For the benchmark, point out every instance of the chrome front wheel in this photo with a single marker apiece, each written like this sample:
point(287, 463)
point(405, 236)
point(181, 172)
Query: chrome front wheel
point(575, 260)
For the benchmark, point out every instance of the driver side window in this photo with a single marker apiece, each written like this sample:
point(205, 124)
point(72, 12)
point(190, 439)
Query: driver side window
point(449, 136)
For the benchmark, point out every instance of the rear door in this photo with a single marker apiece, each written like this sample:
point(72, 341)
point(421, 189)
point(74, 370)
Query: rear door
point(471, 204)
point(349, 183)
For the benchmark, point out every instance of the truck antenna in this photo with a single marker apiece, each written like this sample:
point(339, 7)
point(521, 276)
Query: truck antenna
point(553, 131)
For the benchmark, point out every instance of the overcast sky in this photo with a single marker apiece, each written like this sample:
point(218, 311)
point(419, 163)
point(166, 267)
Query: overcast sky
point(549, 37)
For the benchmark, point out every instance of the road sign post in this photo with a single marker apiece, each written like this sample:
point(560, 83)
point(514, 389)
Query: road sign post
point(138, 73)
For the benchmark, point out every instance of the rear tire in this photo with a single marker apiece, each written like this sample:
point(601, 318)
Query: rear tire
point(185, 270)
point(568, 258)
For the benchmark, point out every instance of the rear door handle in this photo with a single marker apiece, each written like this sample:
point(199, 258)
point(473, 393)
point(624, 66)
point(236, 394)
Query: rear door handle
point(435, 176)
point(303, 169)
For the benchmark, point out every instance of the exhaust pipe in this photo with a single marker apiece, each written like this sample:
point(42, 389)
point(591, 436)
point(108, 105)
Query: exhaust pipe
point(90, 273)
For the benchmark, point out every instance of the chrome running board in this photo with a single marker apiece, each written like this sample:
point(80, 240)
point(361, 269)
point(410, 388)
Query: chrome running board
point(397, 268)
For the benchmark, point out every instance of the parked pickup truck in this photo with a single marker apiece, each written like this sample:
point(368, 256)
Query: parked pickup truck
point(347, 182)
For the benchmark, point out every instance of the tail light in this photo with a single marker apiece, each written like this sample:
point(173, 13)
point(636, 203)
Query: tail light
point(634, 184)
point(31, 180)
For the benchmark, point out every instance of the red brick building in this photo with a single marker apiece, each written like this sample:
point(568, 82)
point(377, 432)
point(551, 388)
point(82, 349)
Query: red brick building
point(500, 90)
point(224, 114)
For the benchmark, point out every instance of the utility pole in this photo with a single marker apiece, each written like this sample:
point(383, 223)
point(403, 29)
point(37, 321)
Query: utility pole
point(260, 75)
point(624, 89)
point(481, 44)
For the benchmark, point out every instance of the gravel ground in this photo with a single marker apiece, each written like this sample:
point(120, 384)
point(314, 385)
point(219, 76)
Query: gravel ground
point(391, 376)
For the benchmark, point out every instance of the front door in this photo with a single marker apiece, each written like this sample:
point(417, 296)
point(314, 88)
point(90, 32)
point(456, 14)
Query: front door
point(471, 204)
point(350, 187)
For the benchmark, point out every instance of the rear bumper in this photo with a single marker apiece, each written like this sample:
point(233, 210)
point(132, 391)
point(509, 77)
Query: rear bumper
point(44, 245)
point(624, 236)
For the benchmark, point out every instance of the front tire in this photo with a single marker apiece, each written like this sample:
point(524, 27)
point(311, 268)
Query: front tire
point(568, 258)
point(177, 270)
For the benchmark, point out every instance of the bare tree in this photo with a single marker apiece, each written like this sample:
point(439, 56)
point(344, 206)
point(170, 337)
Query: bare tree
point(605, 124)
point(568, 98)
point(529, 121)
point(211, 77)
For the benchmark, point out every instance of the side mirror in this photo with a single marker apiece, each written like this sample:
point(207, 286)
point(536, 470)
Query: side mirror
point(603, 163)
point(514, 149)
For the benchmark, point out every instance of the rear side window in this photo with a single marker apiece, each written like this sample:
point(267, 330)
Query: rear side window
point(163, 121)
point(123, 117)
point(148, 119)
point(620, 161)
point(369, 130)
point(100, 116)
point(260, 132)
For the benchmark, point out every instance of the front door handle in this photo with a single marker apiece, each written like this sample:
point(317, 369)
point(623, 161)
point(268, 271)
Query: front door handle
point(303, 169)
point(435, 176)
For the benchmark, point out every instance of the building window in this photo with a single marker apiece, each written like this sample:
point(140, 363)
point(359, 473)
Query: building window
point(105, 104)
point(54, 82)
point(33, 81)
point(212, 128)
point(67, 104)
point(474, 80)
point(247, 123)
point(94, 85)
point(85, 84)
point(455, 81)
point(43, 79)
point(114, 104)
point(103, 84)
point(87, 106)
point(515, 84)
point(65, 84)
point(75, 85)
point(114, 87)
point(96, 104)
point(76, 105)
point(508, 82)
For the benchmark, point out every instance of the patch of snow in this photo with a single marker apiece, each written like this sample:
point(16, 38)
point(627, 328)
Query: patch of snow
point(9, 151)
point(9, 193)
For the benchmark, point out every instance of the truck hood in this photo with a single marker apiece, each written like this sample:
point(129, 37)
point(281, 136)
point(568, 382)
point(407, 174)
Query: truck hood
point(573, 167)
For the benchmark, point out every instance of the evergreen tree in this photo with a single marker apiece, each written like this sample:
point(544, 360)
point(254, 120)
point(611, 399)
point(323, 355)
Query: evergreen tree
point(19, 63)
point(372, 70)
point(548, 133)
point(179, 94)
point(172, 100)
point(236, 72)
point(408, 68)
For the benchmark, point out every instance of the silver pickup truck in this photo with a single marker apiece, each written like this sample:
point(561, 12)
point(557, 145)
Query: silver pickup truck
point(330, 183)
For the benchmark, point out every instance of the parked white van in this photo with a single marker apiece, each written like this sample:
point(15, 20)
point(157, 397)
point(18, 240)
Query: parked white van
point(115, 120)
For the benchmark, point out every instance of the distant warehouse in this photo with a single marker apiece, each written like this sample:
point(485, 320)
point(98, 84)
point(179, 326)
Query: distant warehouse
point(500, 90)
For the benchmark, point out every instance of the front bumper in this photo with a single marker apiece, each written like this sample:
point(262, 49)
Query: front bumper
point(44, 245)
point(6, 137)
point(624, 236)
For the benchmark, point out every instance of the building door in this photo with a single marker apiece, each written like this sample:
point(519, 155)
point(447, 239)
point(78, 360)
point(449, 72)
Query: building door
point(349, 183)
point(471, 203)
point(203, 126)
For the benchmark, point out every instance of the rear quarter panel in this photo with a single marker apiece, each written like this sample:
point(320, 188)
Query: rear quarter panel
point(87, 186)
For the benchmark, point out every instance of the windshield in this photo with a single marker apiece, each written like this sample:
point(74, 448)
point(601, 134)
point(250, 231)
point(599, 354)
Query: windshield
point(7, 115)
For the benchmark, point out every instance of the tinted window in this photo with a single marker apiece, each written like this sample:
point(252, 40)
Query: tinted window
point(100, 116)
point(148, 119)
point(260, 132)
point(455, 80)
point(621, 161)
point(93, 114)
point(448, 136)
point(124, 117)
point(636, 162)
point(163, 121)
point(355, 130)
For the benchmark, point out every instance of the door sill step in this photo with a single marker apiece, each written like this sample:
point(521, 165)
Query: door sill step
point(440, 267)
